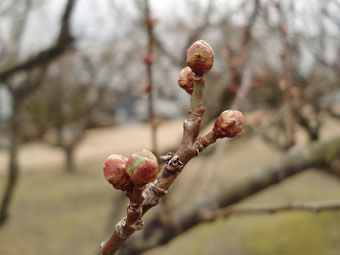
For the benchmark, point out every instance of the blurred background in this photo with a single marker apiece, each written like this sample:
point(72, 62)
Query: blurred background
point(82, 79)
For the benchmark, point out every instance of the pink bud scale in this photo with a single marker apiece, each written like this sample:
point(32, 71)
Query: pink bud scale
point(228, 124)
point(142, 167)
point(200, 57)
point(114, 171)
point(185, 80)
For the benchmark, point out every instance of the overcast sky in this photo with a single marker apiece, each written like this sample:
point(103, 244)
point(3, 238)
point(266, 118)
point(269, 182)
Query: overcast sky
point(97, 21)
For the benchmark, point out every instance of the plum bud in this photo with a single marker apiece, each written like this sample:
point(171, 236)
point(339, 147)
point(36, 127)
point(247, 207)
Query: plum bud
point(114, 171)
point(228, 124)
point(142, 167)
point(200, 57)
point(185, 80)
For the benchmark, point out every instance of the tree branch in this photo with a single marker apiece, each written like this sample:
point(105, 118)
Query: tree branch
point(295, 161)
point(41, 59)
point(189, 148)
point(315, 206)
point(63, 41)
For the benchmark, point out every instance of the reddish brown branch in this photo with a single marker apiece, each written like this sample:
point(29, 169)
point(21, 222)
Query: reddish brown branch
point(167, 175)
point(129, 224)
point(186, 151)
point(189, 148)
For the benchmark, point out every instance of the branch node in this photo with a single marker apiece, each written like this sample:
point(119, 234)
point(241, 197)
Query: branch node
point(134, 207)
point(138, 225)
point(173, 162)
point(120, 229)
point(168, 156)
point(197, 112)
point(153, 194)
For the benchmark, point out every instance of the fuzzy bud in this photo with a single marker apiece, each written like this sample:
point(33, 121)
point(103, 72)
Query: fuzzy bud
point(114, 171)
point(200, 57)
point(228, 124)
point(142, 167)
point(185, 80)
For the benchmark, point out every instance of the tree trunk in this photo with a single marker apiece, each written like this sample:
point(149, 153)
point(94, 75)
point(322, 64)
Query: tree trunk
point(69, 159)
point(13, 169)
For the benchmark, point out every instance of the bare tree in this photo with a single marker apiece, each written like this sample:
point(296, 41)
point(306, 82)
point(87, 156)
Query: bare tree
point(63, 108)
point(7, 74)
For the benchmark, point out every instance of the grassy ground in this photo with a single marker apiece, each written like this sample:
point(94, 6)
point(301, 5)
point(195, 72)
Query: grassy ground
point(58, 213)
point(55, 213)
point(286, 233)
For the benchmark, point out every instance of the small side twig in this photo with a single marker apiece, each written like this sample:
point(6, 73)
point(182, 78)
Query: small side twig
point(189, 148)
point(148, 60)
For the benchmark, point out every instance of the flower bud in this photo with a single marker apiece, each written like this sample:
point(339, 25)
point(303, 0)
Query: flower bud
point(200, 57)
point(142, 167)
point(185, 80)
point(114, 170)
point(228, 124)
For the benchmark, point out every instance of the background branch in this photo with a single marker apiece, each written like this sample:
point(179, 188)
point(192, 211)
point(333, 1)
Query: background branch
point(63, 41)
point(294, 162)
point(314, 206)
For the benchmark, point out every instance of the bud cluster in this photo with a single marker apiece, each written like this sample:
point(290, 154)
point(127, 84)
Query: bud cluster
point(200, 59)
point(139, 169)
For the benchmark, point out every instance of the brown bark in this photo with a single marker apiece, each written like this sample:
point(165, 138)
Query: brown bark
point(13, 170)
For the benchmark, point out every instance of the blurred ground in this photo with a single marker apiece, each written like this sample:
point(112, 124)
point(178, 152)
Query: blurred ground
point(58, 213)
point(98, 144)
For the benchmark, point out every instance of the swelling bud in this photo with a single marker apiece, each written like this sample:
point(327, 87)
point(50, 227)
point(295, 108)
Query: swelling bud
point(200, 57)
point(185, 80)
point(114, 171)
point(229, 124)
point(142, 167)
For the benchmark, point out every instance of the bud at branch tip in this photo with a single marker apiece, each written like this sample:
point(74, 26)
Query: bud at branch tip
point(200, 57)
point(229, 124)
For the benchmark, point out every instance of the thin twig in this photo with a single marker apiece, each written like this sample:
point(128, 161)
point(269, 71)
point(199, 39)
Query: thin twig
point(148, 60)
point(315, 206)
